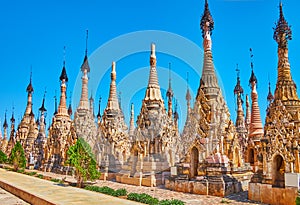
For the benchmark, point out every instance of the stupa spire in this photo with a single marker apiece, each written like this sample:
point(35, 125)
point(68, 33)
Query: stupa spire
point(85, 69)
point(256, 128)
point(270, 96)
point(5, 126)
point(238, 91)
point(188, 95)
point(153, 90)
point(98, 114)
point(62, 108)
point(285, 88)
point(131, 126)
point(170, 95)
point(29, 90)
point(208, 81)
point(113, 103)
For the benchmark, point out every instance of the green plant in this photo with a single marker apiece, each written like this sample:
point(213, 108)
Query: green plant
point(3, 157)
point(143, 198)
point(120, 192)
point(17, 157)
point(81, 157)
point(55, 180)
point(298, 200)
point(171, 202)
point(225, 201)
point(20, 170)
point(40, 176)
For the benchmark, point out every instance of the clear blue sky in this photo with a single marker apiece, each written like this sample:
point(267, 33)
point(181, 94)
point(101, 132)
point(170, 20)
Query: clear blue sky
point(33, 33)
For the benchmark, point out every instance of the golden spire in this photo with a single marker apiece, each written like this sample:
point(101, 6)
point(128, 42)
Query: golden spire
point(62, 108)
point(256, 128)
point(153, 90)
point(238, 91)
point(285, 86)
point(131, 126)
point(170, 95)
point(113, 103)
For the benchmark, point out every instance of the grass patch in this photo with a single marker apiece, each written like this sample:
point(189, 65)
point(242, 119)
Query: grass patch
point(225, 201)
point(55, 180)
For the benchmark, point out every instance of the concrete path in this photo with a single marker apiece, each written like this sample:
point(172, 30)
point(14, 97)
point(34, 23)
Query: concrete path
point(39, 191)
point(7, 198)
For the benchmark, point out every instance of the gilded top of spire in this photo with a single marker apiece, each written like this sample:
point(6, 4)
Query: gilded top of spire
point(238, 88)
point(282, 31)
point(29, 88)
point(206, 20)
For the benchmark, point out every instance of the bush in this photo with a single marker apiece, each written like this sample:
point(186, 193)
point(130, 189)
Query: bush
point(120, 192)
point(55, 180)
point(40, 176)
point(171, 202)
point(3, 157)
point(20, 170)
point(104, 190)
point(30, 173)
point(298, 200)
point(143, 198)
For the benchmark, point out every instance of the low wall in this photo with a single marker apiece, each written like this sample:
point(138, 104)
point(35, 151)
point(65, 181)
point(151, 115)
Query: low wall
point(24, 195)
point(267, 194)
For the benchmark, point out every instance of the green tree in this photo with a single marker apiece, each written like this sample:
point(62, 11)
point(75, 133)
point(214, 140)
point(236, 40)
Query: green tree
point(17, 157)
point(3, 157)
point(82, 159)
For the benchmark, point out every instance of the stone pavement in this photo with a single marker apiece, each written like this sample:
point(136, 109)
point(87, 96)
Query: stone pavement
point(7, 198)
point(162, 193)
point(158, 192)
point(51, 193)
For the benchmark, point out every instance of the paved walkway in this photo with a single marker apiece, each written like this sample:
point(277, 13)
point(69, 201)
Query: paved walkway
point(55, 194)
point(7, 198)
point(162, 193)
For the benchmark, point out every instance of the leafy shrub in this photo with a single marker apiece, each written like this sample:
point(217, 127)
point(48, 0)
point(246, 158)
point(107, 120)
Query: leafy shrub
point(30, 173)
point(40, 176)
point(143, 198)
point(120, 192)
point(20, 170)
point(3, 157)
point(104, 190)
point(298, 200)
point(55, 180)
point(171, 202)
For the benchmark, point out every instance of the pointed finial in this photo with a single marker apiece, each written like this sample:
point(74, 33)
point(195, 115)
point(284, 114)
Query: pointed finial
point(282, 31)
point(270, 96)
point(5, 125)
point(42, 108)
point(12, 119)
point(253, 78)
point(86, 42)
point(55, 104)
point(99, 115)
point(64, 62)
point(207, 22)
point(170, 77)
point(238, 88)
point(29, 88)
point(63, 75)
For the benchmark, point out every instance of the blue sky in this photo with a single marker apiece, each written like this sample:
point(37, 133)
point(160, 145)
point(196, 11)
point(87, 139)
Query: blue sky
point(33, 33)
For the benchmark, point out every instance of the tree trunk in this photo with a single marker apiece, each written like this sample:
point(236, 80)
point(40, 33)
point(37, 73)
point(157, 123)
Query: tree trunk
point(79, 182)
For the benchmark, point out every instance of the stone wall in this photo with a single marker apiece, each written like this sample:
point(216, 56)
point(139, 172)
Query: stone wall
point(267, 194)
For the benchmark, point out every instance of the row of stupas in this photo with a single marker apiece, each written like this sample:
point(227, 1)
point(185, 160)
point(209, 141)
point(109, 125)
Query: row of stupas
point(213, 155)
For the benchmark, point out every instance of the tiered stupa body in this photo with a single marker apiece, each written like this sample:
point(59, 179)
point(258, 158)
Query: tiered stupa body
point(84, 117)
point(113, 129)
point(241, 129)
point(61, 133)
point(24, 126)
point(155, 136)
point(40, 141)
point(210, 145)
point(4, 144)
